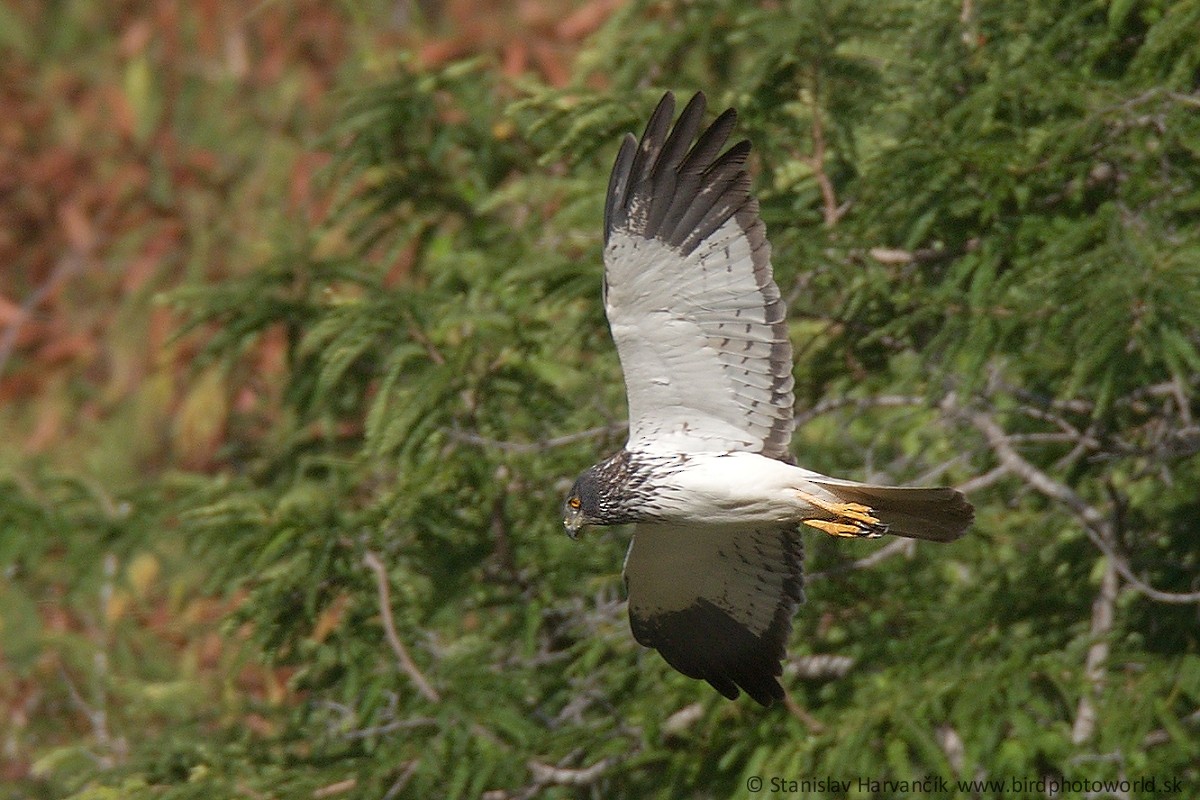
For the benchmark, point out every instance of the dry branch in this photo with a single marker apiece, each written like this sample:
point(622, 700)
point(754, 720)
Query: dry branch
point(893, 548)
point(547, 775)
point(467, 437)
point(1094, 669)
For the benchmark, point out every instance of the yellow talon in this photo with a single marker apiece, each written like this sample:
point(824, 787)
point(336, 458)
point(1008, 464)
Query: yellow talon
point(852, 520)
point(855, 511)
point(834, 528)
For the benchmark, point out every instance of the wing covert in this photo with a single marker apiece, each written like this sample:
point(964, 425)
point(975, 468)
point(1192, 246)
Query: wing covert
point(696, 315)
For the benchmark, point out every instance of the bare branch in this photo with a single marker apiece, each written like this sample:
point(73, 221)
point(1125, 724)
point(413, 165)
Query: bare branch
point(983, 481)
point(683, 719)
point(389, 629)
point(859, 403)
point(894, 256)
point(333, 789)
point(935, 473)
point(832, 211)
point(418, 336)
point(97, 717)
point(799, 712)
point(546, 775)
point(1162, 736)
point(401, 782)
point(1001, 445)
point(63, 270)
point(822, 666)
point(1095, 524)
point(952, 745)
point(1095, 667)
point(893, 548)
point(1186, 99)
point(391, 727)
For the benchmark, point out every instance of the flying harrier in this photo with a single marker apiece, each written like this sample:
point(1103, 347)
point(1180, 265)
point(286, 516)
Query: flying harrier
point(714, 569)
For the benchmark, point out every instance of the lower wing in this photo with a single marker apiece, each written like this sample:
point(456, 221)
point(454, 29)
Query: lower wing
point(717, 601)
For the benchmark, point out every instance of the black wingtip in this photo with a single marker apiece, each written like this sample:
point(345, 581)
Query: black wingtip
point(673, 183)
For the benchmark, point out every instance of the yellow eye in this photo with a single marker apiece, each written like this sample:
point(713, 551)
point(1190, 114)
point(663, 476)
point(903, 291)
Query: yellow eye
point(573, 502)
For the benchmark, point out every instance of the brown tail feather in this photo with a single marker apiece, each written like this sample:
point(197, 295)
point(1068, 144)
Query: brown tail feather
point(938, 514)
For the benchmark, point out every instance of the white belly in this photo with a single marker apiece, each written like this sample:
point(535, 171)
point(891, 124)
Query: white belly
point(738, 488)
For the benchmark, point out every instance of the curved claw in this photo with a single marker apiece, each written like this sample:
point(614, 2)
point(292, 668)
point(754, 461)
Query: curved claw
point(850, 520)
point(846, 530)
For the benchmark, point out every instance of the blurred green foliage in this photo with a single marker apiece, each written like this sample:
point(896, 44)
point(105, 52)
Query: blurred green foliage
point(994, 251)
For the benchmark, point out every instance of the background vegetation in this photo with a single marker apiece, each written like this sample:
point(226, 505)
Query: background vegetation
point(301, 342)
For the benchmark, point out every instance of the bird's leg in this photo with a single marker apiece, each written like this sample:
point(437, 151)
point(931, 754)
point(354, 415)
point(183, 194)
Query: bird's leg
point(852, 520)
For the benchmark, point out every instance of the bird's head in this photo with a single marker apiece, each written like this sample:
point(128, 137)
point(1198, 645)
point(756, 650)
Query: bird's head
point(582, 506)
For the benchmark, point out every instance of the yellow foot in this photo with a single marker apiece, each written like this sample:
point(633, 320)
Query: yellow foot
point(849, 519)
point(836, 528)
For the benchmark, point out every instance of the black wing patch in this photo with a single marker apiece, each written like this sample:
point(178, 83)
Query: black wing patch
point(717, 604)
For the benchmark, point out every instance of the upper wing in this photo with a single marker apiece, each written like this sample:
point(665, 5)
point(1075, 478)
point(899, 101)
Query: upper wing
point(695, 313)
point(717, 601)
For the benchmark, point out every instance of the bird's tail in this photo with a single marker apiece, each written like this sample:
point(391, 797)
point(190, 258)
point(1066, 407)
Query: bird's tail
point(938, 514)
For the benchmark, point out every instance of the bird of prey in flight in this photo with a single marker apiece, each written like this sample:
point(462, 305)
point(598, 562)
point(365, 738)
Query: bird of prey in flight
point(714, 569)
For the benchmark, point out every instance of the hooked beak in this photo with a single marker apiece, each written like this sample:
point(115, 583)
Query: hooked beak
point(573, 524)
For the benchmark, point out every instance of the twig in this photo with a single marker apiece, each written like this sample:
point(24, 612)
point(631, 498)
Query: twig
point(1095, 666)
point(391, 727)
point(682, 720)
point(952, 745)
point(341, 787)
point(504, 550)
point(418, 336)
point(893, 548)
point(1186, 99)
point(63, 270)
point(468, 437)
point(401, 782)
point(389, 629)
point(1162, 735)
point(832, 211)
point(935, 472)
point(97, 718)
point(966, 16)
point(983, 481)
point(1179, 393)
point(821, 666)
point(547, 775)
point(799, 712)
point(859, 403)
point(895, 256)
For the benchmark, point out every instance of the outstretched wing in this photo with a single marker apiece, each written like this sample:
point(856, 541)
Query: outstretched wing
point(694, 310)
point(717, 601)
